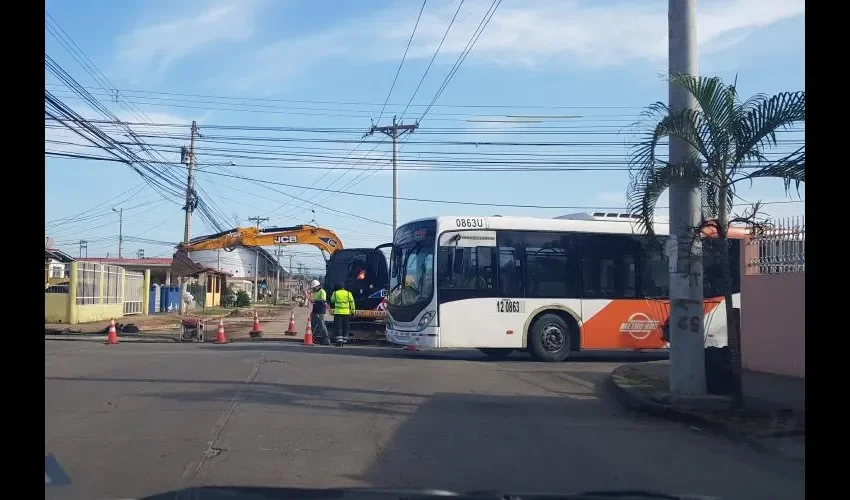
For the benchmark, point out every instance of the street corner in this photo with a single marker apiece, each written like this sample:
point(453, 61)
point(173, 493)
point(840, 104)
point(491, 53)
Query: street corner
point(122, 338)
point(644, 387)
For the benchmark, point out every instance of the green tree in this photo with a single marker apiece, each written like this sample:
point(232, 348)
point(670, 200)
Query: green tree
point(228, 297)
point(242, 299)
point(732, 139)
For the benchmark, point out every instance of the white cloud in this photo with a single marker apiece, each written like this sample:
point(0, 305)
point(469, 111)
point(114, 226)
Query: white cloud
point(592, 32)
point(155, 47)
point(530, 33)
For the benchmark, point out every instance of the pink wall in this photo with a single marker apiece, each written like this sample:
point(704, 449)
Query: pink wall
point(773, 322)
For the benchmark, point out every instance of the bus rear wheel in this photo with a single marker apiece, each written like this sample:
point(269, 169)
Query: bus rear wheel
point(550, 339)
point(495, 352)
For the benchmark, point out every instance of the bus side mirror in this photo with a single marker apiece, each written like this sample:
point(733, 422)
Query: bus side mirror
point(457, 264)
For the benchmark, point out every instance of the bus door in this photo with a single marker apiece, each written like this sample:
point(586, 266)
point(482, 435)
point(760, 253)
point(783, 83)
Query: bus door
point(467, 264)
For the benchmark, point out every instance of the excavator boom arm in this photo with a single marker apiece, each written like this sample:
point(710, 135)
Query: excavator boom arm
point(324, 239)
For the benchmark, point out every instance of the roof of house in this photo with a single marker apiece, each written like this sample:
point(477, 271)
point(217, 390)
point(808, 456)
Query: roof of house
point(59, 255)
point(183, 265)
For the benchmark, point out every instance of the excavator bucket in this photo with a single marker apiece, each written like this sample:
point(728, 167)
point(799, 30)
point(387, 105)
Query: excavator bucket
point(182, 265)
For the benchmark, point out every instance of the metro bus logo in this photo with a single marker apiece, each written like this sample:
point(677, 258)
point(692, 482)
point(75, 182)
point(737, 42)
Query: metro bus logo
point(639, 326)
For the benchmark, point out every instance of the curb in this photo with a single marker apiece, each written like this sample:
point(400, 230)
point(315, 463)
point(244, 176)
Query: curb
point(102, 338)
point(142, 339)
point(297, 340)
point(630, 398)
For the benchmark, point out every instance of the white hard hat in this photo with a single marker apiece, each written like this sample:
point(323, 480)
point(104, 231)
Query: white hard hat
point(314, 283)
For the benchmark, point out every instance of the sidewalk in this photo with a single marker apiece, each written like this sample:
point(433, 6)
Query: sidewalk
point(166, 328)
point(774, 419)
point(170, 322)
point(275, 330)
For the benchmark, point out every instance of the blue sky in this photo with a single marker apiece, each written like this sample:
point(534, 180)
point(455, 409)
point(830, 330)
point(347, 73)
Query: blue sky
point(596, 61)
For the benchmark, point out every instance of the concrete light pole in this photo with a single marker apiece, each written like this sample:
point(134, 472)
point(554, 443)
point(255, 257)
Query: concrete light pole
point(687, 331)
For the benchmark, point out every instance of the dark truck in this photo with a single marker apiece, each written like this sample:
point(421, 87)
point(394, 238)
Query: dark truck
point(365, 273)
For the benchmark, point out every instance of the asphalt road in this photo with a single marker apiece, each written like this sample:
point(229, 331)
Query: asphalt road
point(136, 419)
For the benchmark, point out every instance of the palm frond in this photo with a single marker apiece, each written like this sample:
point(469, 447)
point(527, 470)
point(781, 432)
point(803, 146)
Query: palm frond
point(716, 101)
point(710, 189)
point(791, 169)
point(647, 186)
point(758, 126)
point(726, 134)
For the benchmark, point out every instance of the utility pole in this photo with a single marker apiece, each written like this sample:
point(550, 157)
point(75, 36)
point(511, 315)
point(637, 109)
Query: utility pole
point(188, 157)
point(84, 247)
point(687, 331)
point(277, 271)
point(120, 213)
point(395, 131)
point(257, 257)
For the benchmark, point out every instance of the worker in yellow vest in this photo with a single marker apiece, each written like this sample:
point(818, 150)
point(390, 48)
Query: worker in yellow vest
point(343, 303)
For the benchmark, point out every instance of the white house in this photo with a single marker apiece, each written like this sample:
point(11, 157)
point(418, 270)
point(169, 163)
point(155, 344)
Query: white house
point(241, 262)
point(55, 268)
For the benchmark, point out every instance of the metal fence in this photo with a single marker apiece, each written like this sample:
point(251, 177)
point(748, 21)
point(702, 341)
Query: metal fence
point(778, 249)
point(134, 284)
point(88, 283)
point(63, 288)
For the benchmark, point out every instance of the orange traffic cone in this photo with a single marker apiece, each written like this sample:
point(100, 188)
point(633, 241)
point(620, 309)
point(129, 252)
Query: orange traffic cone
point(220, 338)
point(308, 334)
point(256, 332)
point(112, 336)
point(292, 330)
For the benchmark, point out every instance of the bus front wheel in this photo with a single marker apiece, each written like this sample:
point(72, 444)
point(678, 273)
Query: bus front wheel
point(549, 339)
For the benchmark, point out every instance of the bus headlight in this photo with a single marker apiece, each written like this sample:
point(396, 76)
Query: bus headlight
point(425, 320)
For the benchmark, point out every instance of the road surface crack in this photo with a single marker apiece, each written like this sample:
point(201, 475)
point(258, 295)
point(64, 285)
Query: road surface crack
point(212, 449)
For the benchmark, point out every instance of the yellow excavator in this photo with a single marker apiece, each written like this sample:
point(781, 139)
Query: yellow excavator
point(325, 239)
point(363, 271)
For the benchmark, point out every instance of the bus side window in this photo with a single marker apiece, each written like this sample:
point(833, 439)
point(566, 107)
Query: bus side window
point(608, 266)
point(713, 273)
point(654, 264)
point(485, 267)
point(551, 265)
point(510, 266)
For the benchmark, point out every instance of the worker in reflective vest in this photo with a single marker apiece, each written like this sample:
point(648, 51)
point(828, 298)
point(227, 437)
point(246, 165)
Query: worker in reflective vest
point(317, 315)
point(343, 304)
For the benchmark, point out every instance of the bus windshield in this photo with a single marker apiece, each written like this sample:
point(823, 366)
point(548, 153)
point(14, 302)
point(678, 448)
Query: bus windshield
point(412, 266)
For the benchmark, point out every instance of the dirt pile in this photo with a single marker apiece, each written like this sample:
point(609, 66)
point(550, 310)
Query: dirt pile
point(249, 313)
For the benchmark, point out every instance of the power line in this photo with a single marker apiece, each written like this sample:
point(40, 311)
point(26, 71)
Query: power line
point(431, 62)
point(162, 102)
point(207, 208)
point(296, 161)
point(395, 78)
point(462, 57)
point(374, 104)
point(425, 200)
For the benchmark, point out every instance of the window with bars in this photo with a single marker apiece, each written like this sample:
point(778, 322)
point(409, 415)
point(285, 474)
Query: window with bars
point(88, 283)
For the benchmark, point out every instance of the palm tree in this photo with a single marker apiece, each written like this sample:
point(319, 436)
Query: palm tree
point(731, 139)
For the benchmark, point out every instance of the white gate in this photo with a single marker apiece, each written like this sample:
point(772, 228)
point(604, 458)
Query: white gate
point(133, 292)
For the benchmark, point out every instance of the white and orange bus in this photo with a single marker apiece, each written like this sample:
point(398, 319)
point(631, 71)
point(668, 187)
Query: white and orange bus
point(549, 286)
